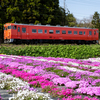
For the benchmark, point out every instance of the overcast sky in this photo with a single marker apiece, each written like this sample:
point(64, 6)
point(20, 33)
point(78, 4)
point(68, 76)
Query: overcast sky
point(81, 8)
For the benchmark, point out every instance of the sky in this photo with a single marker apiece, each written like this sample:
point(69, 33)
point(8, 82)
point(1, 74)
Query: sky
point(81, 8)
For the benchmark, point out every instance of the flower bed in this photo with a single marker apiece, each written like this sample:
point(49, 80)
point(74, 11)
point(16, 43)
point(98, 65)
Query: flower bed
point(49, 74)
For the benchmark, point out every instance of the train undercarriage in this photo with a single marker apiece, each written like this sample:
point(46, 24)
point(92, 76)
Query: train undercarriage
point(39, 41)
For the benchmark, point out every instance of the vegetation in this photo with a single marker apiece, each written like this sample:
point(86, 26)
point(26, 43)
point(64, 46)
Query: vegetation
point(66, 51)
point(40, 11)
point(33, 11)
point(96, 21)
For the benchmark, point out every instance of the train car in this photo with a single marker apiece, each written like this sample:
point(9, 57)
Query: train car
point(14, 32)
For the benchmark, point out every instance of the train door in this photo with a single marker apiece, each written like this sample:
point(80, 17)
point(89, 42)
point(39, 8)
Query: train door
point(25, 32)
point(94, 37)
point(90, 34)
point(19, 32)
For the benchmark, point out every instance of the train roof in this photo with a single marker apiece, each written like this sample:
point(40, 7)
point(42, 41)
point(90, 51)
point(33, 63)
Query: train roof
point(48, 25)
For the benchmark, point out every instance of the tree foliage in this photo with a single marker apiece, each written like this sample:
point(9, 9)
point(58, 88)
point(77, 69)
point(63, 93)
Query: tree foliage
point(96, 20)
point(70, 20)
point(34, 11)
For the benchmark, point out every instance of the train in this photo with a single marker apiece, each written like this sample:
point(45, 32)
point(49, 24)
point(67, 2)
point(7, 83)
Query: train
point(17, 32)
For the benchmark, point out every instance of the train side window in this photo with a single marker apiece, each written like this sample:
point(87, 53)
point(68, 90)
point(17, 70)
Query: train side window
point(15, 27)
point(90, 32)
point(4, 28)
point(40, 31)
point(80, 32)
point(51, 31)
point(75, 32)
point(69, 32)
point(84, 32)
point(45, 31)
point(33, 30)
point(94, 32)
point(18, 29)
point(57, 32)
point(23, 30)
point(63, 32)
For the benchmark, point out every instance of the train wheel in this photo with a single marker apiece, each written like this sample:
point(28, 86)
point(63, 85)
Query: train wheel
point(94, 42)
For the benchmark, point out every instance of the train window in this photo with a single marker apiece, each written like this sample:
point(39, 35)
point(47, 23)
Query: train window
point(33, 30)
point(18, 29)
point(63, 32)
point(80, 32)
point(75, 32)
point(45, 31)
point(97, 31)
point(23, 30)
point(57, 32)
point(4, 28)
point(9, 27)
point(15, 27)
point(51, 31)
point(90, 32)
point(40, 31)
point(94, 32)
point(84, 32)
point(69, 32)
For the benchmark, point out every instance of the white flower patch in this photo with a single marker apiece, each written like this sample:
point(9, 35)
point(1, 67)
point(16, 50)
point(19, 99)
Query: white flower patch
point(11, 81)
point(21, 87)
point(94, 59)
point(78, 70)
point(88, 66)
point(26, 94)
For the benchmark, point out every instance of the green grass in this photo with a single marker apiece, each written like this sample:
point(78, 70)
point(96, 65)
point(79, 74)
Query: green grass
point(65, 51)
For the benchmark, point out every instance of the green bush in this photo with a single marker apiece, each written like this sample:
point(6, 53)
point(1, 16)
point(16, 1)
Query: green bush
point(65, 51)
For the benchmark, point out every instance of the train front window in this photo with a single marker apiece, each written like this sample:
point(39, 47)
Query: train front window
point(23, 30)
point(9, 27)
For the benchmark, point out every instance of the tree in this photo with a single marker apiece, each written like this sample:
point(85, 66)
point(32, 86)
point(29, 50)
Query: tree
point(96, 20)
point(85, 22)
point(70, 20)
point(3, 6)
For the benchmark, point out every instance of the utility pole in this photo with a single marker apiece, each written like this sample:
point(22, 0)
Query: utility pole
point(64, 4)
point(68, 12)
point(64, 11)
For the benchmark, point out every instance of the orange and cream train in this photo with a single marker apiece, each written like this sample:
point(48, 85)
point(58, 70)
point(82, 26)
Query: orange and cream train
point(14, 32)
